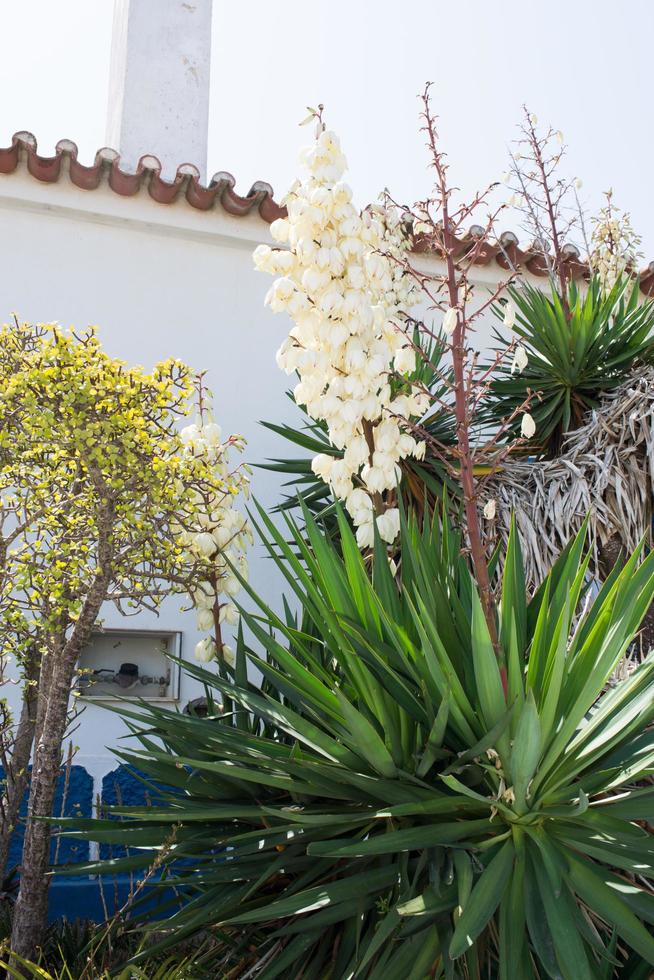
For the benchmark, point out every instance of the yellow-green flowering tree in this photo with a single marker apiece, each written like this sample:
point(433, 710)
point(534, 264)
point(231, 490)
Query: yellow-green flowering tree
point(102, 499)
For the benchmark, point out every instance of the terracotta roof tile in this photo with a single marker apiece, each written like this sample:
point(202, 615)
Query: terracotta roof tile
point(106, 170)
point(506, 253)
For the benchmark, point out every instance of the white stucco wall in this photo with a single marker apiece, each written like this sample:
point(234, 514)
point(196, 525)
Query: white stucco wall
point(159, 281)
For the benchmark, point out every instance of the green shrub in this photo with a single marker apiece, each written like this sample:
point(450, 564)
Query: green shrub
point(84, 950)
point(172, 969)
point(570, 361)
point(383, 802)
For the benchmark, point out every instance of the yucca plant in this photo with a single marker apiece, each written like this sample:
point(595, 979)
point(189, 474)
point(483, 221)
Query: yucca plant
point(571, 361)
point(381, 803)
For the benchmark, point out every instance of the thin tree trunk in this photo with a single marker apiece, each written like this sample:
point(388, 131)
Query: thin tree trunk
point(57, 672)
point(31, 912)
point(17, 775)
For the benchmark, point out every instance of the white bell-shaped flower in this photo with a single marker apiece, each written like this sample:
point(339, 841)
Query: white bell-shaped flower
point(205, 650)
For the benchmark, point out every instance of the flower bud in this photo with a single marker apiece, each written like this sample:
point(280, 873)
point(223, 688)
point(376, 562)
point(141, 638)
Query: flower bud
point(228, 655)
point(204, 543)
point(527, 426)
point(205, 619)
point(279, 229)
point(450, 320)
point(205, 650)
point(490, 509)
point(520, 360)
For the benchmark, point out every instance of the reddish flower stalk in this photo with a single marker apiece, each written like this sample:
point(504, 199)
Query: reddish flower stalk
point(464, 381)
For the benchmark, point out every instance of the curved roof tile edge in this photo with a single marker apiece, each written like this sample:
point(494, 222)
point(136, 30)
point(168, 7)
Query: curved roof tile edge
point(106, 169)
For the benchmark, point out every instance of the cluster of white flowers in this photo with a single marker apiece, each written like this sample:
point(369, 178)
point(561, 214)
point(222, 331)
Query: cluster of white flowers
point(342, 282)
point(614, 244)
point(220, 535)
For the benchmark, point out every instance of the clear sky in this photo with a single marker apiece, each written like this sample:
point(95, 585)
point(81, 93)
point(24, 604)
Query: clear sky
point(584, 65)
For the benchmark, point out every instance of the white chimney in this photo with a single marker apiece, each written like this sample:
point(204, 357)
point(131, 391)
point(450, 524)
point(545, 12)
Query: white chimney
point(159, 82)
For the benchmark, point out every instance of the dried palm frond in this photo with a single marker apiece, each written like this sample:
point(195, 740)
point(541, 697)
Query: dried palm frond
point(606, 469)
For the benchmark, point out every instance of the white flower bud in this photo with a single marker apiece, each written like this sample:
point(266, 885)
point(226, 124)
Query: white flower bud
point(490, 509)
point(189, 434)
point(527, 426)
point(450, 320)
point(228, 613)
point(322, 465)
point(279, 229)
point(205, 619)
point(204, 543)
point(231, 585)
point(509, 314)
point(405, 360)
point(520, 360)
point(228, 654)
point(261, 257)
point(222, 535)
point(205, 650)
point(366, 535)
point(388, 525)
point(211, 433)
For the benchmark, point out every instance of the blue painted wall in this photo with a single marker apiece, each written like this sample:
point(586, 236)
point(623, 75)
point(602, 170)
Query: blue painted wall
point(78, 802)
point(122, 787)
point(83, 896)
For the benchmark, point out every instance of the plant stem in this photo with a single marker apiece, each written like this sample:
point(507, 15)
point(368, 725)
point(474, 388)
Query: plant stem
point(559, 263)
point(218, 639)
point(464, 398)
point(466, 461)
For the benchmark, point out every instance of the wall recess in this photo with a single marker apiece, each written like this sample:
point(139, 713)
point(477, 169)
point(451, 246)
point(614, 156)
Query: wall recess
point(130, 664)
